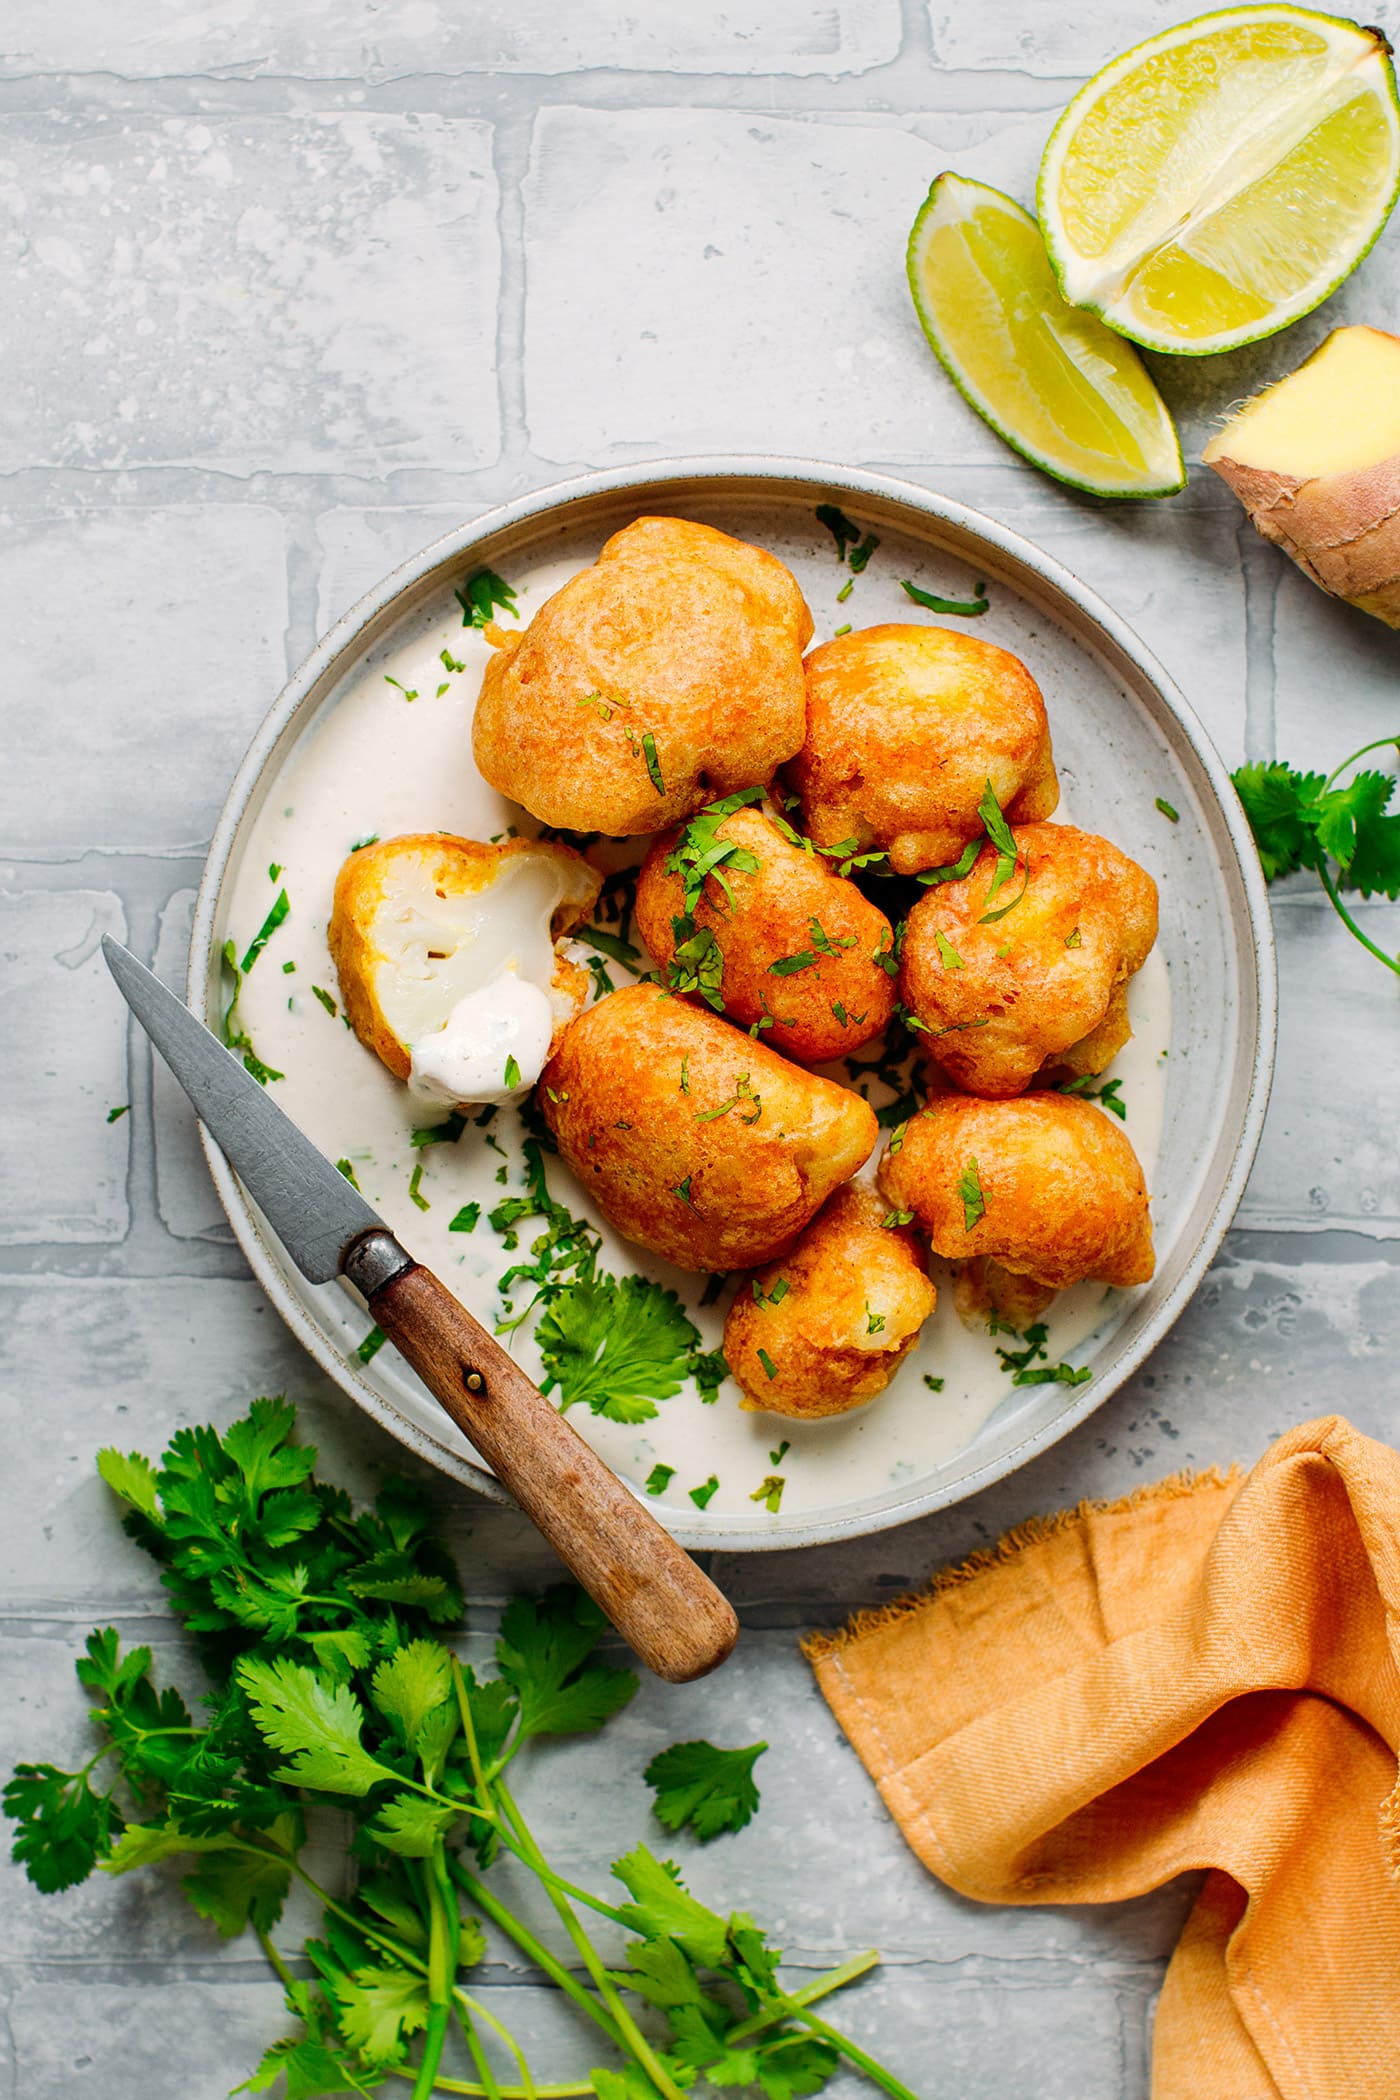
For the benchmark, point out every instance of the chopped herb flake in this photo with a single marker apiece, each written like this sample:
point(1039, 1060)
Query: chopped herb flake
point(839, 526)
point(371, 1345)
point(1074, 939)
point(742, 1098)
point(682, 1189)
point(775, 1458)
point(947, 953)
point(446, 1133)
point(288, 969)
point(274, 869)
point(770, 1368)
point(1108, 1096)
point(935, 1385)
point(702, 1496)
point(824, 943)
point(360, 844)
point(265, 932)
point(653, 763)
point(845, 591)
point(974, 1203)
point(685, 1072)
point(700, 852)
point(837, 632)
point(874, 1321)
point(659, 1479)
point(114, 1115)
point(415, 1193)
point(892, 1218)
point(1167, 810)
point(466, 1219)
point(449, 662)
point(859, 557)
point(610, 943)
point(789, 965)
point(770, 1493)
point(512, 1075)
point(325, 999)
point(698, 963)
point(343, 1166)
point(409, 693)
point(482, 595)
point(966, 608)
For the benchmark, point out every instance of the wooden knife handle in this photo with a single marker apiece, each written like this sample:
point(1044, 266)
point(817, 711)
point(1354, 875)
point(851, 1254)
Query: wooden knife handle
point(659, 1601)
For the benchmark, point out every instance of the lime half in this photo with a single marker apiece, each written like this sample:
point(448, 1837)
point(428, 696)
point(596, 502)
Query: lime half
point(1210, 186)
point(1053, 381)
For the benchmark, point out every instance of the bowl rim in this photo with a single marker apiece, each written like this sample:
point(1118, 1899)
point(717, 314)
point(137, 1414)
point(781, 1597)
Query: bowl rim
point(759, 474)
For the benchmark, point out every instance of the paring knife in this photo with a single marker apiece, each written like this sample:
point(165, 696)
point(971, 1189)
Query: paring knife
point(659, 1601)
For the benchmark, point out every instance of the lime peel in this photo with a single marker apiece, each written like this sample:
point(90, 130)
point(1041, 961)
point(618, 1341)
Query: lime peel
point(1067, 393)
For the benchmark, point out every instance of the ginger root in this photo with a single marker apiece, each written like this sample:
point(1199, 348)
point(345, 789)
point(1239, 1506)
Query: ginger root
point(1315, 460)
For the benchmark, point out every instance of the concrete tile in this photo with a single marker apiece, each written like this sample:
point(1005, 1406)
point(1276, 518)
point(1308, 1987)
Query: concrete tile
point(358, 547)
point(1329, 1159)
point(294, 294)
point(185, 1194)
point(738, 247)
point(318, 40)
point(1335, 678)
point(1055, 44)
point(63, 1044)
point(155, 640)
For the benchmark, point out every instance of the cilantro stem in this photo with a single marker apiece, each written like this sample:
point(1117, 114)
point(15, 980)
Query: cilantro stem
point(484, 2072)
point(1382, 743)
point(280, 1969)
point(820, 1987)
point(486, 1900)
point(443, 1932)
point(465, 2003)
point(1349, 922)
point(852, 2051)
point(506, 2092)
point(632, 2035)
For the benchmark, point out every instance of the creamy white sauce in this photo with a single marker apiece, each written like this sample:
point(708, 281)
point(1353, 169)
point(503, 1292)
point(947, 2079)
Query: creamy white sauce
point(503, 1023)
point(377, 764)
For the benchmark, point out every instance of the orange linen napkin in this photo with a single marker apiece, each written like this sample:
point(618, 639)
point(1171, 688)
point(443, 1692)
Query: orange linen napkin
point(1205, 1676)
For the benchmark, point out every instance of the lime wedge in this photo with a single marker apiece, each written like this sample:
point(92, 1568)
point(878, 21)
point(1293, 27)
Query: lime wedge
point(1211, 185)
point(1071, 397)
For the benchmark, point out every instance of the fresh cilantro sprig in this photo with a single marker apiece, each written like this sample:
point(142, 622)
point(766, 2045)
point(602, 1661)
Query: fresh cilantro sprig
point(1029, 1365)
point(1347, 835)
point(331, 1686)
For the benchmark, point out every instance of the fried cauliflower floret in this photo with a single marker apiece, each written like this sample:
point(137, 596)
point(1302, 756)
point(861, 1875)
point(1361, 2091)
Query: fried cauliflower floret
point(1045, 1187)
point(775, 936)
point(826, 1328)
point(694, 1141)
point(667, 674)
point(448, 958)
point(1033, 976)
point(905, 727)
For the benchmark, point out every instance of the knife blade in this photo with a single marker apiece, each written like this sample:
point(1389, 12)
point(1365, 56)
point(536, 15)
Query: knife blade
point(658, 1599)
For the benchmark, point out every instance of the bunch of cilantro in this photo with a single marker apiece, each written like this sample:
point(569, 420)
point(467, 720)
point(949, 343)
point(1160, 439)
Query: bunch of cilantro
point(1347, 835)
point(320, 1631)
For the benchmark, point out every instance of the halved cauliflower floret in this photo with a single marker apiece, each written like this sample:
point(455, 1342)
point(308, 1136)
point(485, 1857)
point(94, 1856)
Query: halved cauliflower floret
point(826, 1328)
point(448, 955)
point(1010, 972)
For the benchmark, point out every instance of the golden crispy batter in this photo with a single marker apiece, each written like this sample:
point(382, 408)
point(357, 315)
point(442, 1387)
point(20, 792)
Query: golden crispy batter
point(905, 726)
point(783, 905)
point(407, 924)
point(676, 657)
point(851, 1298)
point(696, 1142)
point(1046, 1185)
point(1006, 996)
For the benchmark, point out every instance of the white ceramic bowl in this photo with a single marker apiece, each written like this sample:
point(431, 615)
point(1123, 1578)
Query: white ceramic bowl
point(1123, 736)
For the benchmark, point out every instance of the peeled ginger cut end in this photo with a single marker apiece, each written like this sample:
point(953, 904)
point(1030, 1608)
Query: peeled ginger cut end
point(1315, 460)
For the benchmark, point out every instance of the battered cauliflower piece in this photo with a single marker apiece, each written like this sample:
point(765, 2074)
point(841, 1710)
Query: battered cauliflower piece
point(1031, 979)
point(771, 935)
point(667, 674)
point(826, 1328)
point(694, 1141)
point(1045, 1188)
point(448, 958)
point(905, 727)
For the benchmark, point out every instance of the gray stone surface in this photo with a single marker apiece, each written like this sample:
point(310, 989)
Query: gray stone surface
point(292, 289)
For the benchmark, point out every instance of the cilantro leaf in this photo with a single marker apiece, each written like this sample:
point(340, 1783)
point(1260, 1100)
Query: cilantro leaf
point(380, 2007)
point(619, 1344)
point(700, 852)
point(64, 1826)
point(710, 1789)
point(319, 1723)
point(663, 1908)
point(410, 1685)
point(1280, 805)
point(132, 1477)
point(974, 1202)
point(238, 1888)
point(542, 1653)
point(480, 597)
point(411, 1825)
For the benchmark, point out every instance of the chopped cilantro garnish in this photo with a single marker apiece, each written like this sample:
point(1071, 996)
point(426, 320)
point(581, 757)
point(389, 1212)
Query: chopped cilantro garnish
point(371, 840)
point(887, 959)
point(270, 924)
point(482, 595)
point(839, 526)
point(1074, 939)
point(700, 852)
point(825, 943)
point(989, 918)
point(859, 557)
point(1108, 1096)
point(343, 1166)
point(289, 969)
point(610, 943)
point(274, 869)
point(770, 1368)
point(837, 632)
point(1027, 1366)
point(601, 975)
point(114, 1115)
point(892, 1218)
point(449, 662)
point(415, 1192)
point(235, 1035)
point(935, 1385)
point(409, 693)
point(653, 762)
point(775, 1458)
point(709, 1370)
point(974, 1202)
point(685, 1072)
point(682, 1189)
point(774, 1297)
point(445, 1133)
point(874, 1321)
point(947, 953)
point(743, 1098)
point(844, 593)
point(466, 1219)
point(956, 870)
point(698, 963)
point(1167, 810)
point(326, 1000)
point(789, 965)
point(966, 608)
point(372, 1343)
point(702, 1496)
point(659, 1479)
point(839, 1013)
point(511, 1079)
point(770, 1493)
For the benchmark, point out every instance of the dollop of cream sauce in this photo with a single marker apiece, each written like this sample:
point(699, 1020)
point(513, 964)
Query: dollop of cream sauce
point(468, 1058)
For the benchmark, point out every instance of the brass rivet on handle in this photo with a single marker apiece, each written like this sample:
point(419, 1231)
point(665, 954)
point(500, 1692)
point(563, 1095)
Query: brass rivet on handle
point(474, 1381)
